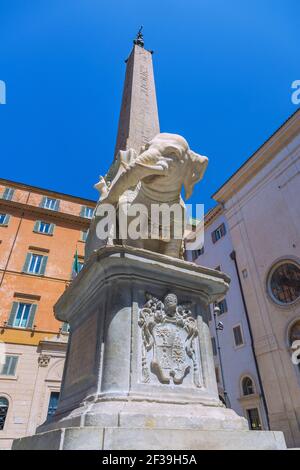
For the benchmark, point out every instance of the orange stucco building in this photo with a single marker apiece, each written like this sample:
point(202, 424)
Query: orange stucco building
point(40, 232)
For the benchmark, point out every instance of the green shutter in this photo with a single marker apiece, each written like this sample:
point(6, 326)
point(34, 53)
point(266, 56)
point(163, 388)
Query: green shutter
point(31, 316)
point(9, 367)
point(13, 364)
point(51, 229)
point(27, 261)
point(5, 367)
point(13, 313)
point(6, 219)
point(84, 235)
point(36, 227)
point(43, 265)
point(56, 208)
point(82, 212)
point(213, 236)
point(8, 194)
point(42, 203)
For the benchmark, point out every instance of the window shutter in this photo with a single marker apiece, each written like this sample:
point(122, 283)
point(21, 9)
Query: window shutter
point(27, 261)
point(6, 219)
point(51, 229)
point(31, 316)
point(8, 194)
point(238, 338)
point(43, 201)
point(10, 365)
point(36, 227)
point(82, 212)
point(223, 230)
point(213, 236)
point(43, 264)
point(13, 313)
point(13, 364)
point(6, 366)
point(57, 203)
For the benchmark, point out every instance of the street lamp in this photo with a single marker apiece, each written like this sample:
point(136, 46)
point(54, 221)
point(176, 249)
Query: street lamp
point(220, 327)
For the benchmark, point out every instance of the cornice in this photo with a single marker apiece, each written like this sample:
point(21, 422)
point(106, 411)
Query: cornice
point(50, 192)
point(280, 139)
point(29, 209)
point(212, 214)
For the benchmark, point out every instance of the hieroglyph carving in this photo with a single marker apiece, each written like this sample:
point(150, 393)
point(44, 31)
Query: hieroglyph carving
point(169, 333)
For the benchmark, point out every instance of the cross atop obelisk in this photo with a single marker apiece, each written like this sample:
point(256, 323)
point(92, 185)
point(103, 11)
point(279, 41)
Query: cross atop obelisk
point(138, 122)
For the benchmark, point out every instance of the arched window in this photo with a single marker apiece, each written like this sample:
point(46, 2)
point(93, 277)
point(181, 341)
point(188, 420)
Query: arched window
point(247, 386)
point(284, 282)
point(3, 411)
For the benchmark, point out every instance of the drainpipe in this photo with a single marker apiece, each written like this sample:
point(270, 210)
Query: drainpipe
point(219, 327)
point(233, 257)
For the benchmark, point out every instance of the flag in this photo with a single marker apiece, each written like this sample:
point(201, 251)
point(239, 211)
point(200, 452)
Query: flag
point(76, 266)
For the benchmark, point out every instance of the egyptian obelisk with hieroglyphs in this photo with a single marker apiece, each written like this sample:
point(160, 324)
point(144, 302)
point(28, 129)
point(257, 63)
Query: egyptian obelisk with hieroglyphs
point(138, 122)
point(139, 370)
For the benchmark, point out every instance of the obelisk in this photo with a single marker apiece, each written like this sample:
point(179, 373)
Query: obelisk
point(138, 122)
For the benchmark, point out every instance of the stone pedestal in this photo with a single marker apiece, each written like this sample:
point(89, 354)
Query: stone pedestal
point(139, 371)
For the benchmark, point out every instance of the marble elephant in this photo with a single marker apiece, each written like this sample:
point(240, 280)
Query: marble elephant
point(154, 178)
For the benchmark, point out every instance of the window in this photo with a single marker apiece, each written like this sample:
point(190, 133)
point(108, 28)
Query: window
point(3, 411)
point(247, 386)
point(196, 253)
point(8, 194)
point(214, 346)
point(87, 212)
point(222, 306)
point(53, 402)
point(50, 203)
point(238, 336)
point(84, 235)
point(65, 328)
point(4, 219)
point(218, 233)
point(22, 315)
point(35, 264)
point(284, 282)
point(43, 227)
point(254, 419)
point(9, 366)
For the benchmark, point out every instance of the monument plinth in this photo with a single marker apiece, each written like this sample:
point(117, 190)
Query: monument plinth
point(139, 370)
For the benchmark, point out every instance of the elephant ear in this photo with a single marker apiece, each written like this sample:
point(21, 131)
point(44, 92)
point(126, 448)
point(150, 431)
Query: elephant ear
point(195, 171)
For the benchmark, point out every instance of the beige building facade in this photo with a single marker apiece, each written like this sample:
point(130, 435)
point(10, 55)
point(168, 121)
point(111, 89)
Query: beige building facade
point(32, 390)
point(259, 208)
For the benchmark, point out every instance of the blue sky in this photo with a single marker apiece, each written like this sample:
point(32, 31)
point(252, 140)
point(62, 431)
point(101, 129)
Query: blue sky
point(223, 74)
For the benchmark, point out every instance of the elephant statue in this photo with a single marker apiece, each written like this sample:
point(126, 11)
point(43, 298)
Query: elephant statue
point(149, 184)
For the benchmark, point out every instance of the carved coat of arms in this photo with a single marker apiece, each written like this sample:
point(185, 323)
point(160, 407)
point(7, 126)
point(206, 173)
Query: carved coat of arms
point(168, 333)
